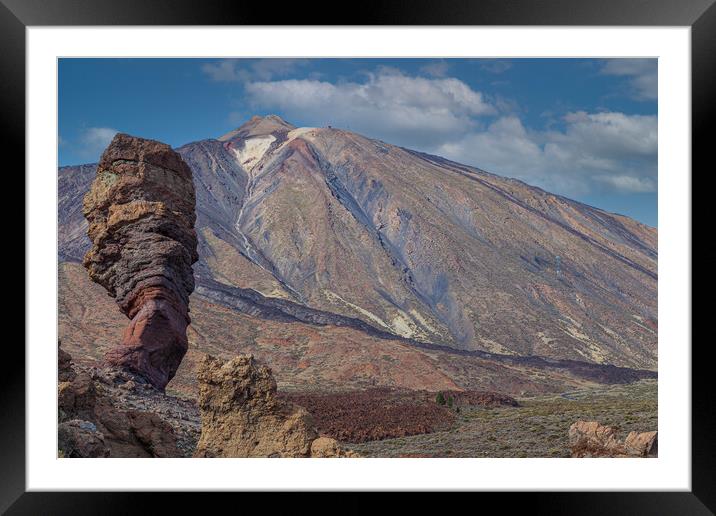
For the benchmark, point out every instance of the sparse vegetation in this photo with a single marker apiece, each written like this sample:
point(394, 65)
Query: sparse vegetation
point(537, 428)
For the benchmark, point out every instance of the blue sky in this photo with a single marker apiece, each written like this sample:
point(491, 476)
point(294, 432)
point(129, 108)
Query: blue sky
point(583, 128)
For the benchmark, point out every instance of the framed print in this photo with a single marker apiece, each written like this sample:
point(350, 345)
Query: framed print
point(449, 248)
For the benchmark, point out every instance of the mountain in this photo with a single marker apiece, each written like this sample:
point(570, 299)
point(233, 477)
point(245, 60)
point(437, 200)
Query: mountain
point(321, 226)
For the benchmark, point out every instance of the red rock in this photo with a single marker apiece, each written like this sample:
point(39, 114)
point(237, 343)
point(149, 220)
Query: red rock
point(141, 215)
point(373, 414)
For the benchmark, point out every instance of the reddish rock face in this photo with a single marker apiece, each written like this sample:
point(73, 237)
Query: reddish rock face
point(140, 210)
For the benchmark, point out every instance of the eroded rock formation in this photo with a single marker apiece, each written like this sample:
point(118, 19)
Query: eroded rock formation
point(590, 439)
point(141, 215)
point(241, 416)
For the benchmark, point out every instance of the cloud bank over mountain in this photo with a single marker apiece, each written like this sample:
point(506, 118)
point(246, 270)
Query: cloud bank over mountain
point(594, 151)
point(582, 128)
point(584, 152)
point(414, 111)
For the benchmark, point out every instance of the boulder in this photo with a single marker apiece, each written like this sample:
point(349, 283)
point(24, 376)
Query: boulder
point(134, 433)
point(78, 396)
point(592, 435)
point(642, 444)
point(81, 439)
point(327, 447)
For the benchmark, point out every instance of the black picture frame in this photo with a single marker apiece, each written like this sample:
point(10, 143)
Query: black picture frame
point(700, 15)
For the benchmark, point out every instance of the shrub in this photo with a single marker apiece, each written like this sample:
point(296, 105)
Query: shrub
point(440, 399)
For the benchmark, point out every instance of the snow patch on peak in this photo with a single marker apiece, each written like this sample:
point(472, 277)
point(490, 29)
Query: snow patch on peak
point(253, 150)
point(299, 132)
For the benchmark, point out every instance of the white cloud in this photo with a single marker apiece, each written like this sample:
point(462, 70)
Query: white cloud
point(642, 75)
point(388, 105)
point(436, 68)
point(93, 140)
point(236, 70)
point(629, 183)
point(611, 135)
point(593, 152)
point(581, 153)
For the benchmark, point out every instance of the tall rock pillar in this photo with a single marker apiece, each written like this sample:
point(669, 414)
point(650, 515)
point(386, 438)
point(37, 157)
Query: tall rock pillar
point(141, 215)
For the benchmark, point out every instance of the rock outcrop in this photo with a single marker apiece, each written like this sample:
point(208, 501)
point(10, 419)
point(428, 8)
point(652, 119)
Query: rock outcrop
point(241, 416)
point(80, 439)
point(329, 448)
point(141, 215)
point(64, 365)
point(590, 439)
point(642, 444)
point(93, 423)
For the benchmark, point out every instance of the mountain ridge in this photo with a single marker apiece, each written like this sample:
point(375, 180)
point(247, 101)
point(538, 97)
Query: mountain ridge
point(358, 227)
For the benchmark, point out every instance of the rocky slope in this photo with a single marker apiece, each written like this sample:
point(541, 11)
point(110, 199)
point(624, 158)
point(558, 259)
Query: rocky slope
point(378, 241)
point(313, 357)
point(98, 415)
point(140, 213)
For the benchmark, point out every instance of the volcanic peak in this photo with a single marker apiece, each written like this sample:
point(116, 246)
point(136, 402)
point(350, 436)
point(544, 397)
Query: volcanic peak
point(259, 126)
